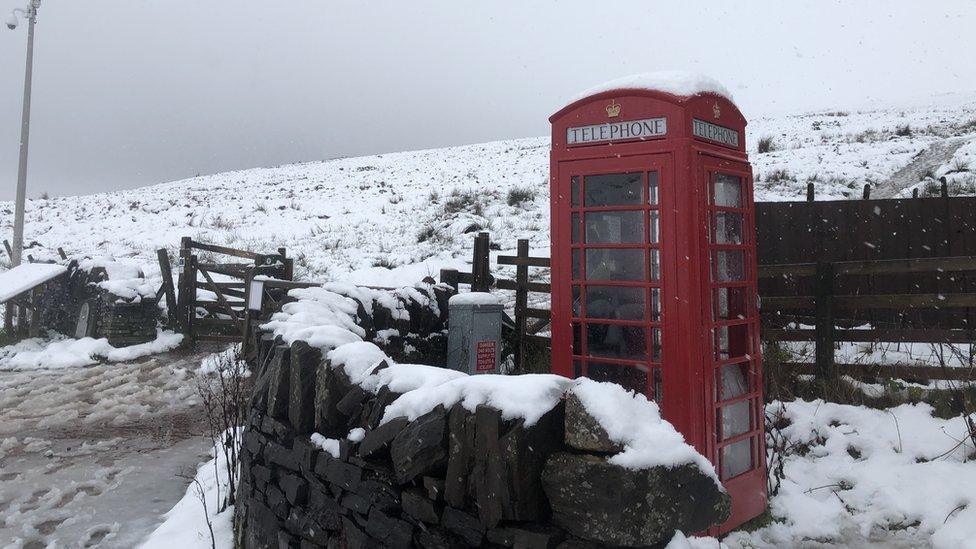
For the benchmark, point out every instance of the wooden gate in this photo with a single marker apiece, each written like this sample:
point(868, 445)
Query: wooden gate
point(212, 300)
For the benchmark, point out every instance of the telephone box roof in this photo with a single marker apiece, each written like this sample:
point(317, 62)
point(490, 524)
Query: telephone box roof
point(676, 83)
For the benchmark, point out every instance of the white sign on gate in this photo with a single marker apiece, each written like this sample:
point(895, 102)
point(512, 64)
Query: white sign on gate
point(256, 295)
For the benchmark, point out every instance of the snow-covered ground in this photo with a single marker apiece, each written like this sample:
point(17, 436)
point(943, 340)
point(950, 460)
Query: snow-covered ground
point(91, 456)
point(859, 477)
point(58, 351)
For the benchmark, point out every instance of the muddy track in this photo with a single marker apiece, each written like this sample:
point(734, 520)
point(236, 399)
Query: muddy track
point(91, 457)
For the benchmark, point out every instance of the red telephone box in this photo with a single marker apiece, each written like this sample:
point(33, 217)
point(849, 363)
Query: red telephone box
point(654, 268)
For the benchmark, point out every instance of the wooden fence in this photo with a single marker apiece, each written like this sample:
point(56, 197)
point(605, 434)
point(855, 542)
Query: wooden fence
point(528, 321)
point(874, 230)
point(825, 308)
point(838, 317)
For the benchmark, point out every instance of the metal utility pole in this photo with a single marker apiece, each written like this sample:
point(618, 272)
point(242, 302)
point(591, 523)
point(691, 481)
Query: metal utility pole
point(31, 14)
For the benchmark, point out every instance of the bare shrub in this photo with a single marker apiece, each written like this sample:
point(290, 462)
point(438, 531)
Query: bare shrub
point(201, 494)
point(223, 385)
point(778, 446)
point(426, 233)
point(963, 399)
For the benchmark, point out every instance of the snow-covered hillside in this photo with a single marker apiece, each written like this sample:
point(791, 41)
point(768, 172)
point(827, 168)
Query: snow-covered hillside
point(386, 218)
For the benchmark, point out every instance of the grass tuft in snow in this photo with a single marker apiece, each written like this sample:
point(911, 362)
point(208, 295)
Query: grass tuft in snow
point(463, 201)
point(518, 195)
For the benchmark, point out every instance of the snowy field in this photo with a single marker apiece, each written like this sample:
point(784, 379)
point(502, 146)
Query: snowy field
point(79, 445)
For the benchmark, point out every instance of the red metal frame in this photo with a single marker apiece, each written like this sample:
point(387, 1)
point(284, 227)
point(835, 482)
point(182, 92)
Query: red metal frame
point(688, 366)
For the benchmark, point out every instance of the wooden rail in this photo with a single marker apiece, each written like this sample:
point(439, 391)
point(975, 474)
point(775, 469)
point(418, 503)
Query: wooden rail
point(830, 310)
point(824, 310)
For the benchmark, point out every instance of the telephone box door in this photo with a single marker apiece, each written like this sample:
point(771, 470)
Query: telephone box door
point(731, 314)
point(613, 216)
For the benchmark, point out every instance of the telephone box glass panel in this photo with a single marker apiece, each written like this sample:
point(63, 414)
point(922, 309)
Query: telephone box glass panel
point(625, 227)
point(730, 303)
point(617, 189)
point(729, 265)
point(617, 341)
point(728, 191)
point(727, 228)
point(615, 264)
point(615, 302)
point(630, 377)
point(734, 419)
point(736, 458)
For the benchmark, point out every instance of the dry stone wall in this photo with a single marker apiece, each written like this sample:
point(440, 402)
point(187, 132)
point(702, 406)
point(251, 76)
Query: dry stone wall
point(321, 468)
point(78, 306)
point(126, 322)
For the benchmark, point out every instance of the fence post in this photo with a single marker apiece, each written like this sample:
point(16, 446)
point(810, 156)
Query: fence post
point(521, 302)
point(288, 268)
point(809, 192)
point(246, 347)
point(824, 298)
point(164, 269)
point(480, 268)
point(23, 323)
point(186, 285)
point(867, 191)
point(450, 277)
point(191, 298)
point(944, 187)
point(9, 309)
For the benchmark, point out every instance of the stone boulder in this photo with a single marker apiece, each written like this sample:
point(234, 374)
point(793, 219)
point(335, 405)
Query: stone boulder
point(584, 432)
point(596, 500)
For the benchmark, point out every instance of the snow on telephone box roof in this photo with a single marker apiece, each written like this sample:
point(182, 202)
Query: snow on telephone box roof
point(678, 83)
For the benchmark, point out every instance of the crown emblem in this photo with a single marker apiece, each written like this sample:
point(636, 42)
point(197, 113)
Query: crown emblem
point(613, 109)
point(716, 110)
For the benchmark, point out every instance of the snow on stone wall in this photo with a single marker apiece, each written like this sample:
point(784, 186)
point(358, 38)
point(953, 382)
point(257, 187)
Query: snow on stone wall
point(343, 442)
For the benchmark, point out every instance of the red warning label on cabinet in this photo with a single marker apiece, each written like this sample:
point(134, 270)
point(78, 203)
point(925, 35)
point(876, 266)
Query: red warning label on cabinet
point(486, 356)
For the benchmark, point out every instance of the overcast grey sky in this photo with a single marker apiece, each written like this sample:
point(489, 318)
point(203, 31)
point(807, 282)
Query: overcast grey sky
point(134, 92)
